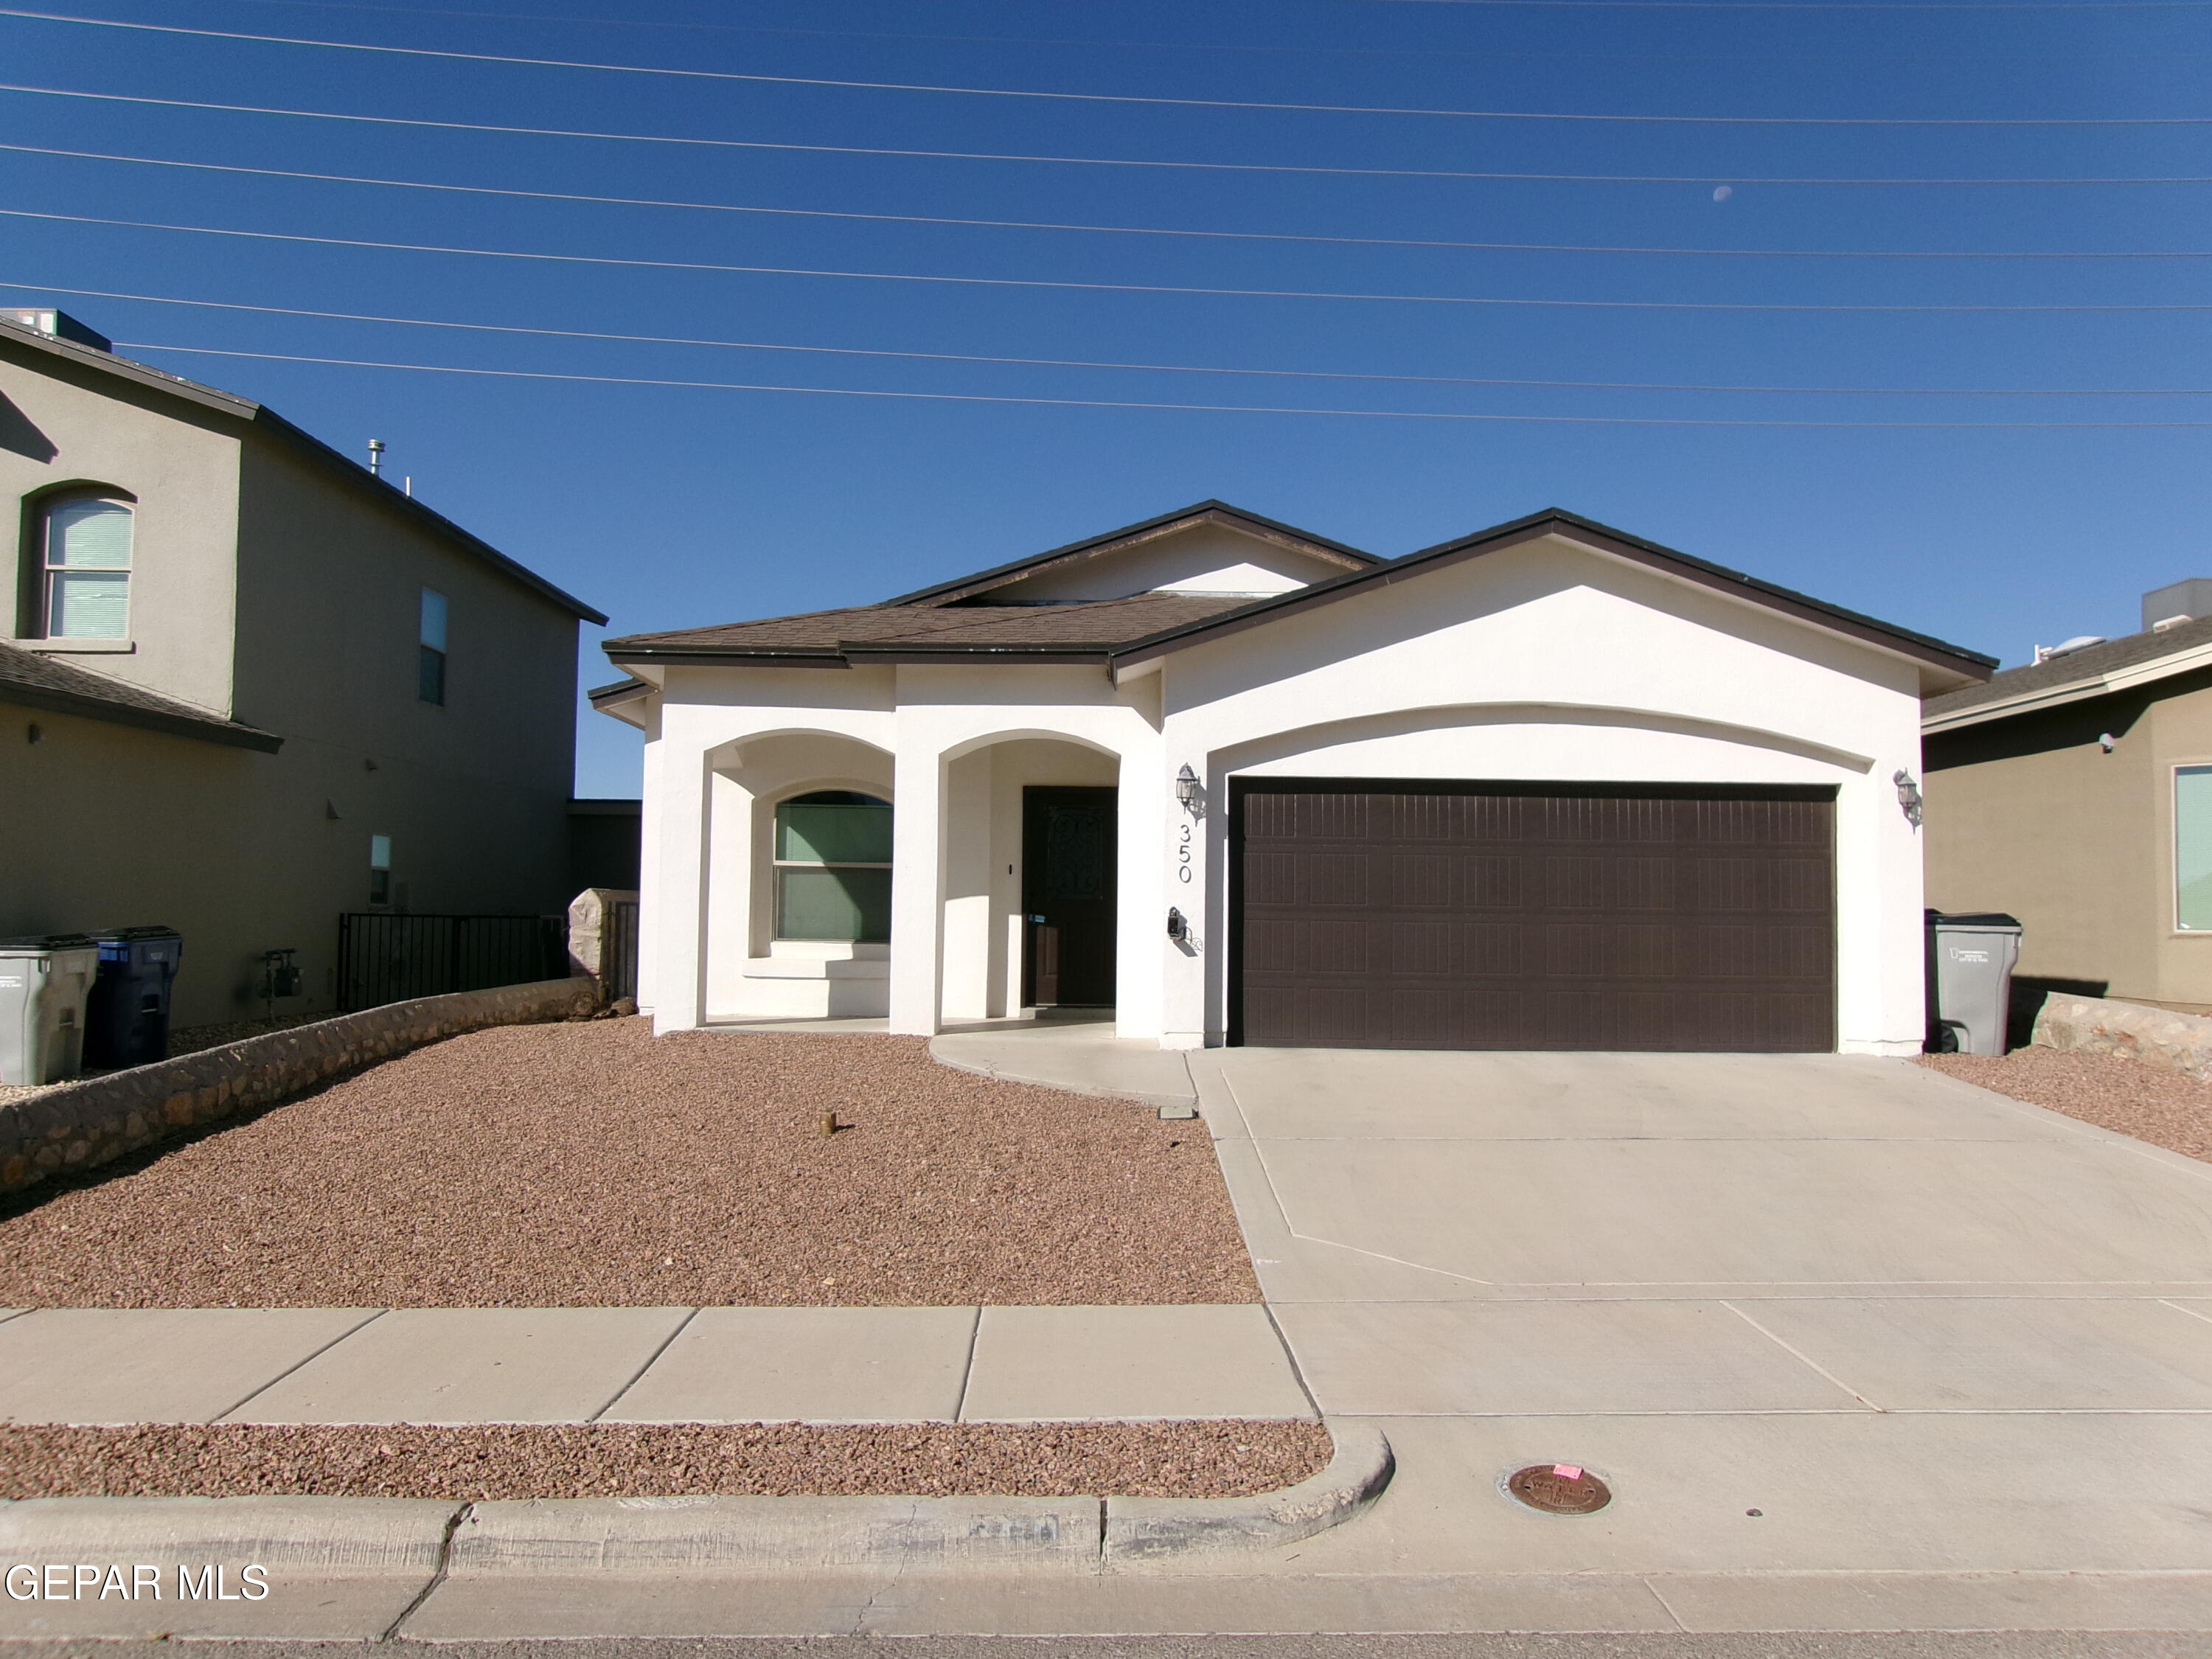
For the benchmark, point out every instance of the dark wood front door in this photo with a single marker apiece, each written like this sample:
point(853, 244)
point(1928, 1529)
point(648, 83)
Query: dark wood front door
point(1068, 894)
point(1542, 915)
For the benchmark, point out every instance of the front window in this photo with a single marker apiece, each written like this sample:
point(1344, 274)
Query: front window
point(379, 869)
point(87, 570)
point(833, 867)
point(2192, 849)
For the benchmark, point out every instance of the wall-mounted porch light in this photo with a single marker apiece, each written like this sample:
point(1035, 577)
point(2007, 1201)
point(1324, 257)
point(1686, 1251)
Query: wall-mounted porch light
point(1908, 797)
point(1190, 791)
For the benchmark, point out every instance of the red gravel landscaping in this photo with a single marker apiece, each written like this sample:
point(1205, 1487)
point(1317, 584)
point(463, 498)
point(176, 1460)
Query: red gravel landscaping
point(2164, 1108)
point(593, 1164)
point(622, 1459)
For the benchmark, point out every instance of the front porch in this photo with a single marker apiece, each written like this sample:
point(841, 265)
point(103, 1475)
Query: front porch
point(851, 884)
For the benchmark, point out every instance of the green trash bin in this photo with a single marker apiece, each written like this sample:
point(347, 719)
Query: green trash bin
point(44, 982)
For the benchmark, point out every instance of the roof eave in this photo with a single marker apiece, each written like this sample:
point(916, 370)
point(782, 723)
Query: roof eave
point(2072, 691)
point(638, 660)
point(860, 652)
point(228, 734)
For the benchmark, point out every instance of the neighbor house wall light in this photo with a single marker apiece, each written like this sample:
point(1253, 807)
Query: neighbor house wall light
point(1188, 790)
point(1908, 797)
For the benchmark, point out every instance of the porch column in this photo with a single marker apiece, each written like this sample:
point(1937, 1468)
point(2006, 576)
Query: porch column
point(917, 888)
point(1146, 839)
point(678, 897)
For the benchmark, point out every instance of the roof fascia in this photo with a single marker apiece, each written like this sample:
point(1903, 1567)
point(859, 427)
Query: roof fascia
point(264, 419)
point(2081, 690)
point(227, 734)
point(107, 363)
point(640, 661)
point(605, 697)
point(1214, 512)
point(1969, 665)
point(860, 653)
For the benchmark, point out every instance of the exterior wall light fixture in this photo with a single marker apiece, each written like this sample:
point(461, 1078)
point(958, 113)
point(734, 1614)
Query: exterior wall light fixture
point(1908, 797)
point(1190, 791)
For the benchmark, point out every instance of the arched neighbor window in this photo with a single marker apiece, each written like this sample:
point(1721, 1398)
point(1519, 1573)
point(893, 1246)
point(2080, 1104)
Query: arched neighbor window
point(86, 574)
point(833, 867)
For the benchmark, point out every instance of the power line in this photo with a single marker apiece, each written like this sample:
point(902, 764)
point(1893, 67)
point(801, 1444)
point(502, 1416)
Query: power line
point(1106, 230)
point(1064, 160)
point(1823, 5)
point(1154, 368)
point(1095, 288)
point(1585, 116)
point(1211, 409)
point(1199, 45)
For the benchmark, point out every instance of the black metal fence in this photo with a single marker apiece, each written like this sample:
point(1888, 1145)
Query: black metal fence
point(390, 958)
point(618, 951)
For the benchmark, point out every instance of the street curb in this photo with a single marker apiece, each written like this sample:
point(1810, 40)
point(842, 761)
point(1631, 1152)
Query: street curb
point(334, 1537)
point(1149, 1529)
point(349, 1538)
point(573, 1537)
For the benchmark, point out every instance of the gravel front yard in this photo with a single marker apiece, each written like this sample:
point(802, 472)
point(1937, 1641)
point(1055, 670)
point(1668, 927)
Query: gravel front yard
point(2164, 1108)
point(593, 1164)
point(619, 1460)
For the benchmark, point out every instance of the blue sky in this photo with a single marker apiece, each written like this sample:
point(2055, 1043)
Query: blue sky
point(670, 506)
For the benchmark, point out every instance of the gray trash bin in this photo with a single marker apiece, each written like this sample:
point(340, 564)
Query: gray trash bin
point(44, 981)
point(1969, 961)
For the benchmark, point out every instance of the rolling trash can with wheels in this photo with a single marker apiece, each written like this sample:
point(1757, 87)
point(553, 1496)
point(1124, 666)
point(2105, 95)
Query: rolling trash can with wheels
point(44, 981)
point(1970, 962)
point(127, 1022)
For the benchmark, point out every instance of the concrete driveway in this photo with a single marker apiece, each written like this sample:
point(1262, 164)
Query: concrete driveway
point(1858, 1346)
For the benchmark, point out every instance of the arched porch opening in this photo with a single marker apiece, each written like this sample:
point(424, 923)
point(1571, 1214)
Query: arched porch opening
point(797, 877)
point(1030, 831)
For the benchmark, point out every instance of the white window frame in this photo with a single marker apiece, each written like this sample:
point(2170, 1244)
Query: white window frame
point(777, 865)
point(48, 569)
point(2179, 929)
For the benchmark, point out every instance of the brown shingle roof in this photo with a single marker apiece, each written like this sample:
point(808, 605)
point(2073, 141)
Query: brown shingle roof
point(1099, 625)
point(2091, 663)
point(35, 680)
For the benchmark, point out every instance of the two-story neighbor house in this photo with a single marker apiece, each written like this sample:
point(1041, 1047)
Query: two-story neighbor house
point(249, 686)
point(1546, 785)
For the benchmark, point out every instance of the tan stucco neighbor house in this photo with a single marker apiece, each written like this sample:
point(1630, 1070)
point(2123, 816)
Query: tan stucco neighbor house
point(2075, 793)
point(1546, 785)
point(245, 686)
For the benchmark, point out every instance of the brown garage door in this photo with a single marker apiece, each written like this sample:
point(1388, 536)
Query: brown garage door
point(1375, 915)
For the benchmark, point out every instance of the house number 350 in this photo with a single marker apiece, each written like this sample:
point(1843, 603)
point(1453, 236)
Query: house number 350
point(1182, 857)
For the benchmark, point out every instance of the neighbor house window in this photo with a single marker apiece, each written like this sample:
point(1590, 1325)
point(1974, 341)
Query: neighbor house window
point(379, 869)
point(87, 570)
point(833, 867)
point(430, 659)
point(2192, 849)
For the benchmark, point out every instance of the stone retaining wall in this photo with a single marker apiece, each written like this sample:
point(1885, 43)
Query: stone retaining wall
point(75, 1126)
point(2097, 1026)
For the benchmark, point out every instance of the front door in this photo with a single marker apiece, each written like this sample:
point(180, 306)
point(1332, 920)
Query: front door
point(1067, 896)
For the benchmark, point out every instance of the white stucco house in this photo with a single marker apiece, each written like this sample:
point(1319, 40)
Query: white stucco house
point(1548, 785)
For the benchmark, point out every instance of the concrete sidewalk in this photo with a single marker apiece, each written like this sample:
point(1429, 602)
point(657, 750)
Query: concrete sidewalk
point(645, 1366)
